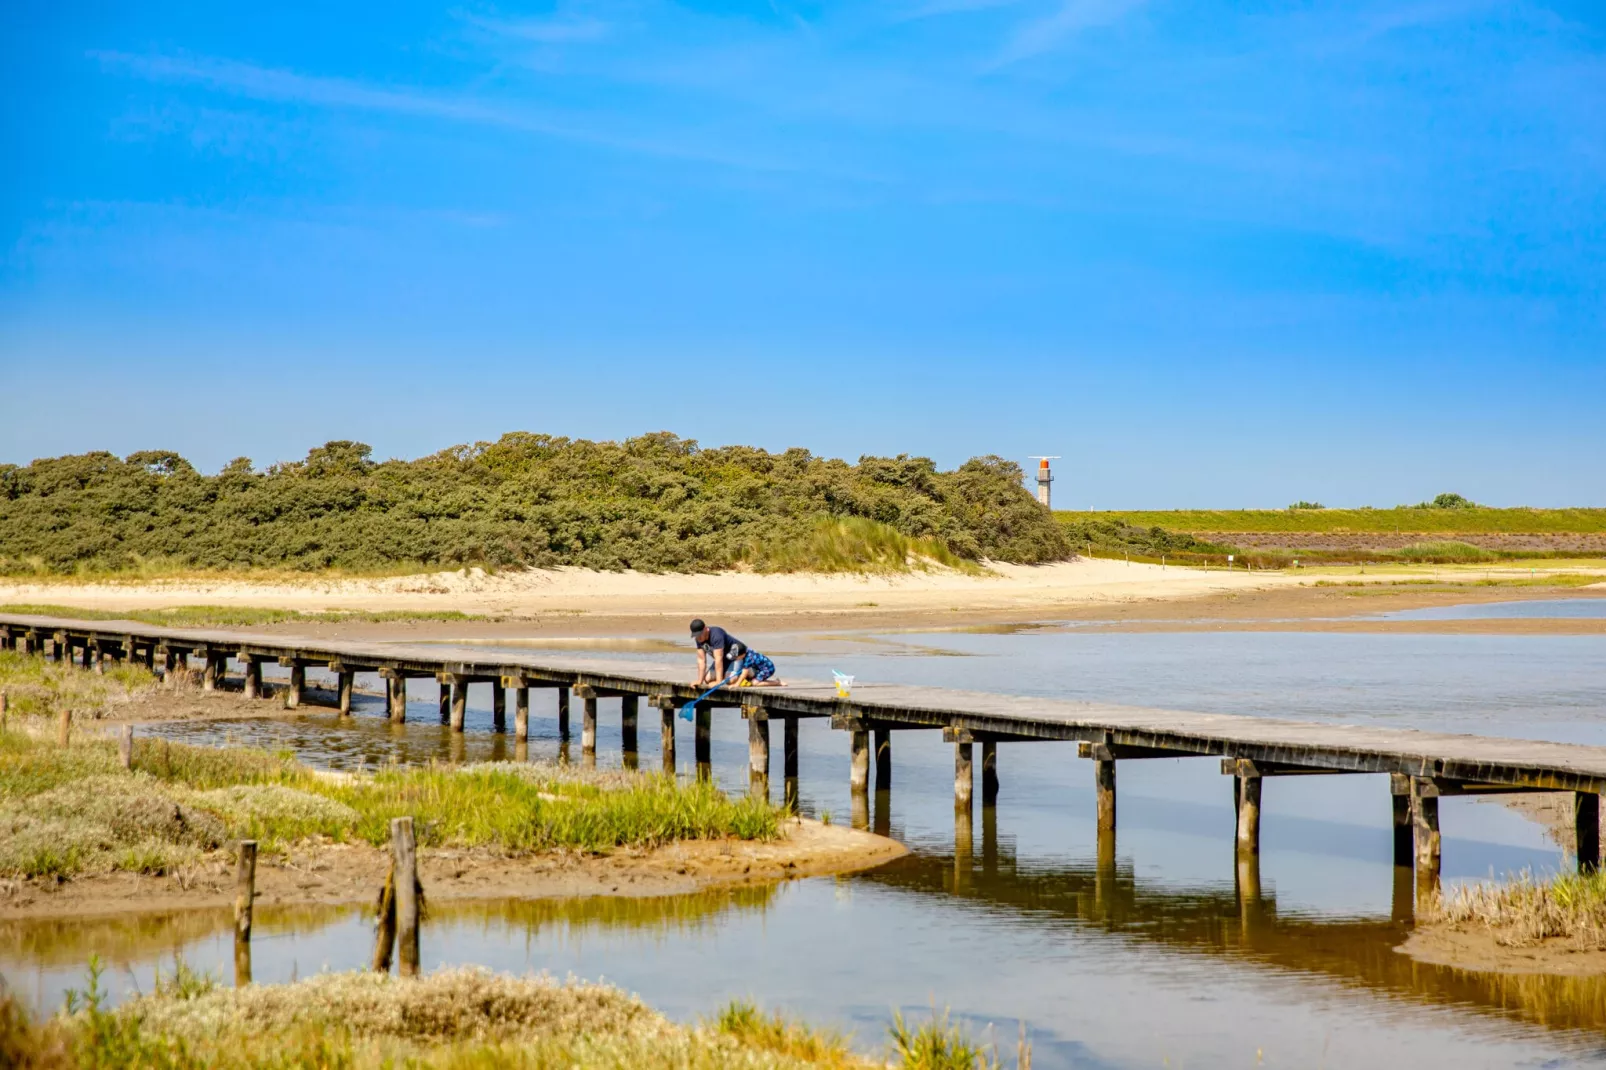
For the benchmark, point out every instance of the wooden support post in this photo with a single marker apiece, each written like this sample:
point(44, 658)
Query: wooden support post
point(398, 699)
point(150, 657)
point(92, 658)
point(298, 686)
point(629, 706)
point(563, 714)
point(989, 772)
point(348, 682)
point(170, 662)
point(498, 707)
point(588, 729)
point(758, 752)
point(1586, 829)
point(5, 702)
point(446, 699)
point(129, 653)
point(666, 739)
point(521, 715)
point(86, 656)
point(859, 756)
point(1104, 784)
point(1400, 798)
point(1425, 811)
point(789, 759)
point(253, 675)
point(964, 777)
point(882, 739)
point(210, 674)
point(459, 703)
point(125, 747)
point(64, 727)
point(1248, 813)
point(404, 851)
point(704, 741)
point(245, 879)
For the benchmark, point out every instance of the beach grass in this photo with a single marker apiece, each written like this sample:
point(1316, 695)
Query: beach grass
point(66, 811)
point(1405, 519)
point(1529, 910)
point(39, 687)
point(234, 616)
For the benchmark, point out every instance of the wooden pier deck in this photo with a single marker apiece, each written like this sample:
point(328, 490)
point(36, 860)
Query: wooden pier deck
point(1422, 766)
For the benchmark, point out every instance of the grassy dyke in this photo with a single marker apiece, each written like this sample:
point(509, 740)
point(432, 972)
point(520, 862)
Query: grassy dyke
point(457, 1018)
point(1404, 519)
point(655, 503)
point(71, 811)
point(1529, 910)
point(234, 616)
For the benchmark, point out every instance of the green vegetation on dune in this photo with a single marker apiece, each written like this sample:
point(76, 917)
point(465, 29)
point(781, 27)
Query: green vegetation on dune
point(1424, 520)
point(656, 503)
point(233, 616)
point(72, 810)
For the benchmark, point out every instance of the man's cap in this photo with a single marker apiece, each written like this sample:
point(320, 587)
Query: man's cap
point(697, 626)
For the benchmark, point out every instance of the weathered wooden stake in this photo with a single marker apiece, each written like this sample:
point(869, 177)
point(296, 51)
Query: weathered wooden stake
point(86, 655)
point(405, 853)
point(989, 772)
point(253, 675)
point(5, 702)
point(125, 747)
point(210, 674)
point(385, 930)
point(92, 655)
point(859, 757)
point(348, 683)
point(245, 879)
point(521, 714)
point(64, 727)
point(789, 759)
point(1400, 804)
point(705, 742)
point(459, 703)
point(298, 686)
point(964, 777)
point(563, 713)
point(1248, 813)
point(170, 660)
point(1104, 784)
point(1586, 829)
point(588, 729)
point(498, 707)
point(882, 740)
point(629, 712)
point(398, 699)
point(666, 739)
point(1425, 810)
point(758, 752)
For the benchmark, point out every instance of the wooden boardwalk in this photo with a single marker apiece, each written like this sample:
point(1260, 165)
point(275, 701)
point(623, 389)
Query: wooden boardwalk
point(1423, 766)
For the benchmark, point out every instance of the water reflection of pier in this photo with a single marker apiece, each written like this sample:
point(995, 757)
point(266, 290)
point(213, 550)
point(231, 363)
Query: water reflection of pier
point(1240, 921)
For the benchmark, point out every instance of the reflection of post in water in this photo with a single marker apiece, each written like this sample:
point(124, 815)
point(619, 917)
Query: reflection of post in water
point(859, 773)
point(1401, 906)
point(789, 759)
point(703, 744)
point(521, 751)
point(883, 813)
point(1104, 873)
point(1247, 882)
point(964, 851)
point(245, 877)
point(989, 840)
point(457, 748)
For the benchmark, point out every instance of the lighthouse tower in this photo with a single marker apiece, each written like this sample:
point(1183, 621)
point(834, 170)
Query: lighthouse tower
point(1045, 480)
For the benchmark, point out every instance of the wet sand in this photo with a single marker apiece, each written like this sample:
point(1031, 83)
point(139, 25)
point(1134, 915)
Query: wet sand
point(333, 874)
point(1479, 950)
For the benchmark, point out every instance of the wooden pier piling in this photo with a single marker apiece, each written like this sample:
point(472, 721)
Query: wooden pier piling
point(1586, 830)
point(789, 760)
point(459, 702)
point(666, 738)
point(758, 751)
point(859, 759)
point(213, 670)
point(521, 713)
point(1425, 812)
point(563, 713)
point(498, 708)
point(629, 714)
point(881, 739)
point(348, 684)
point(1248, 813)
point(396, 698)
point(588, 726)
point(245, 877)
point(989, 772)
point(298, 684)
point(405, 854)
point(705, 741)
point(1404, 830)
point(1104, 787)
point(964, 775)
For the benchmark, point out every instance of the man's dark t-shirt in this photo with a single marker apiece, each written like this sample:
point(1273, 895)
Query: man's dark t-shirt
point(719, 639)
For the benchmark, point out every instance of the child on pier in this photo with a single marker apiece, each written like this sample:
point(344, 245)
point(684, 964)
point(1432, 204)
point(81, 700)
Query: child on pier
point(752, 669)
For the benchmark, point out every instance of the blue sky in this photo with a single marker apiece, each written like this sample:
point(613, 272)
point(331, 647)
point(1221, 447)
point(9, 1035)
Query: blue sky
point(1216, 254)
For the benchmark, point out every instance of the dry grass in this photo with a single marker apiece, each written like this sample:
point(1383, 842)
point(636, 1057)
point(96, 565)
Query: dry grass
point(1476, 520)
point(1529, 910)
point(38, 687)
point(233, 616)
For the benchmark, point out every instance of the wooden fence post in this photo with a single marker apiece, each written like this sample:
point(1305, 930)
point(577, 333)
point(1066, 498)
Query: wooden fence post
point(245, 879)
point(404, 850)
point(385, 931)
point(125, 747)
point(64, 729)
point(4, 702)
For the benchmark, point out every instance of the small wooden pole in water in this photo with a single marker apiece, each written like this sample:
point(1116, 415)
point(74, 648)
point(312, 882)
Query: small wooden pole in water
point(446, 699)
point(789, 759)
point(385, 927)
point(404, 850)
point(92, 651)
point(563, 713)
point(213, 670)
point(348, 683)
point(964, 777)
point(629, 706)
point(1248, 813)
point(1400, 800)
point(989, 772)
point(64, 727)
point(498, 707)
point(882, 739)
point(1586, 829)
point(125, 747)
point(252, 667)
point(521, 714)
point(758, 752)
point(588, 728)
point(859, 761)
point(459, 703)
point(298, 686)
point(704, 743)
point(666, 738)
point(1104, 784)
point(245, 879)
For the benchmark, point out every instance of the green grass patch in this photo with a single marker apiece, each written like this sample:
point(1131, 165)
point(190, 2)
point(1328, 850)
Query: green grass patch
point(38, 687)
point(65, 811)
point(1529, 910)
point(854, 544)
point(232, 616)
point(1403, 519)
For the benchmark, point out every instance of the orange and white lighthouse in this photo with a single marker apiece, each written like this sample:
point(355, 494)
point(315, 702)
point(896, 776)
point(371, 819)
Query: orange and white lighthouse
point(1045, 479)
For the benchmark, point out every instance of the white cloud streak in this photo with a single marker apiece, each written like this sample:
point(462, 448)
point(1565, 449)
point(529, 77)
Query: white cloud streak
point(1072, 17)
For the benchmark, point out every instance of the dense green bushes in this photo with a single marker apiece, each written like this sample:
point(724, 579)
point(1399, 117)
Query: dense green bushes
point(656, 503)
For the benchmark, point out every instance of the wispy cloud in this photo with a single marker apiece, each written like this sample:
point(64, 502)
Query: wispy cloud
point(1049, 32)
point(557, 29)
point(276, 84)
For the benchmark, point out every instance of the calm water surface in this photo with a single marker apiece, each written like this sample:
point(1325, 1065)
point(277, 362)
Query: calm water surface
point(1150, 958)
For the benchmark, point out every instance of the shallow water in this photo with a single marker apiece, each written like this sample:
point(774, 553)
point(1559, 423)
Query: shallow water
point(1543, 609)
point(1132, 961)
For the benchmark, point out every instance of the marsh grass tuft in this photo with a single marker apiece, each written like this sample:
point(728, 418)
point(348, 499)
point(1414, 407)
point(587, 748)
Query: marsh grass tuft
point(1528, 910)
point(65, 811)
point(1447, 552)
point(36, 687)
point(939, 1043)
point(774, 1032)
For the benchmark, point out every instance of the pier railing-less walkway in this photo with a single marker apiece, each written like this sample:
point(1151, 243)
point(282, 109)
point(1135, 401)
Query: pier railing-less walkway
point(1422, 766)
